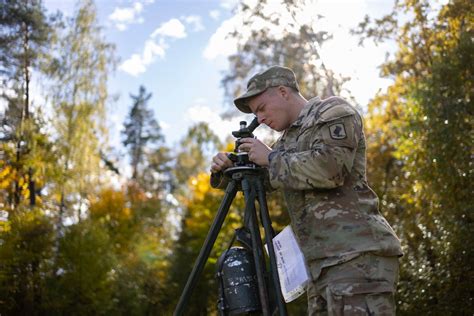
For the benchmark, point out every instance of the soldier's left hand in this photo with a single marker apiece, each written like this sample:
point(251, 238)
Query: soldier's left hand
point(258, 151)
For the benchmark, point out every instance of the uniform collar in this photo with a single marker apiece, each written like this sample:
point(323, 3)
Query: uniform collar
point(305, 111)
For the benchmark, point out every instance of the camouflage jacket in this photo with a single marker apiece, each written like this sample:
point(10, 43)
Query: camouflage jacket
point(319, 162)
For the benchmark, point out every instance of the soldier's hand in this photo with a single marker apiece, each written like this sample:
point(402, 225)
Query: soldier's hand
point(220, 162)
point(258, 151)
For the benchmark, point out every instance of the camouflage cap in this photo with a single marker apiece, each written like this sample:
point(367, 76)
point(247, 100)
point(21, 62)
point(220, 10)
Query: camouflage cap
point(272, 77)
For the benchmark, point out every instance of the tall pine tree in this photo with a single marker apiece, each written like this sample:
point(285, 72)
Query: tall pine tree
point(142, 136)
point(24, 38)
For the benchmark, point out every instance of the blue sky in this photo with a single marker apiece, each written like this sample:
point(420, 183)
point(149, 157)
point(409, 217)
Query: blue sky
point(177, 50)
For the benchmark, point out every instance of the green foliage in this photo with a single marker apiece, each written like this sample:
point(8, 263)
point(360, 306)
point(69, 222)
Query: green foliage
point(112, 256)
point(25, 31)
point(25, 257)
point(26, 233)
point(129, 251)
point(139, 236)
point(83, 281)
point(424, 169)
point(196, 150)
point(138, 289)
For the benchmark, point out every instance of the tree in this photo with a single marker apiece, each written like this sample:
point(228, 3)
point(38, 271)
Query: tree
point(425, 176)
point(145, 142)
point(196, 149)
point(25, 259)
point(79, 69)
point(139, 237)
point(26, 31)
point(24, 37)
point(278, 34)
point(83, 283)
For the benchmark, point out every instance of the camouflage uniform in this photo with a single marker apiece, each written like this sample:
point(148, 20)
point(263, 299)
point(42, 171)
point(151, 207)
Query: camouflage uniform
point(362, 286)
point(319, 162)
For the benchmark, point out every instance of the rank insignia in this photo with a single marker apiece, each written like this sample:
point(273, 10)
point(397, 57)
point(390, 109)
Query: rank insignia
point(337, 131)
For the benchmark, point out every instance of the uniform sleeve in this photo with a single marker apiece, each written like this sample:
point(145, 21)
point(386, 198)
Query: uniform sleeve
point(326, 160)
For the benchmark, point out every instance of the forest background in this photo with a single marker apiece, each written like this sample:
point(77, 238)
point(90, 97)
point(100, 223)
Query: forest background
point(74, 242)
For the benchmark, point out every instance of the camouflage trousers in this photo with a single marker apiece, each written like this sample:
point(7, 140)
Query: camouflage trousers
point(364, 285)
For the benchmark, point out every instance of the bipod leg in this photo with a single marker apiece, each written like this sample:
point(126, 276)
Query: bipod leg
point(229, 196)
point(269, 234)
point(257, 248)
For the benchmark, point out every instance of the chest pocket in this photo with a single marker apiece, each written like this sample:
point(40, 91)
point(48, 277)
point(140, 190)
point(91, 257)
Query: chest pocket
point(287, 142)
point(306, 137)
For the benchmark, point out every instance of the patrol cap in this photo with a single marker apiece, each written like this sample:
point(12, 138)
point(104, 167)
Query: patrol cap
point(272, 77)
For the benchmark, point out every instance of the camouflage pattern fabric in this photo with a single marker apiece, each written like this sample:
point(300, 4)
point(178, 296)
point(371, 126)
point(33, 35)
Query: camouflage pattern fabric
point(362, 286)
point(260, 82)
point(319, 162)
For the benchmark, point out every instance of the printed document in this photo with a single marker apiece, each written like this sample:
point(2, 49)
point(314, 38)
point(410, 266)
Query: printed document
point(291, 267)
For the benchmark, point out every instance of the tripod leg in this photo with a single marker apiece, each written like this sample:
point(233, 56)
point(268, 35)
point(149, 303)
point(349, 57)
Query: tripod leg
point(251, 217)
point(269, 234)
point(229, 196)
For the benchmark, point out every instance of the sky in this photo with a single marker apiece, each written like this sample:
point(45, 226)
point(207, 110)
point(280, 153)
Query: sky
point(178, 50)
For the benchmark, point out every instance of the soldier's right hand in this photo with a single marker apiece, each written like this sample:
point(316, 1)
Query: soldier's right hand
point(220, 162)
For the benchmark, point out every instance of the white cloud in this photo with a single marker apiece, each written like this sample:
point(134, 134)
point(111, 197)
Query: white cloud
point(156, 48)
point(164, 126)
point(122, 17)
point(134, 65)
point(138, 63)
point(152, 50)
point(215, 14)
point(221, 127)
point(195, 21)
point(220, 44)
point(172, 28)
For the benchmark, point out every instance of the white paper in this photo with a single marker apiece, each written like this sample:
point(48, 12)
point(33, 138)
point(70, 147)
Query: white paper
point(291, 267)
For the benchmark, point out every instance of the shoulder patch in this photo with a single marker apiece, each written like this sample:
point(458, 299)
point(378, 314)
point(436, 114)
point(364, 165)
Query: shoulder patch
point(337, 131)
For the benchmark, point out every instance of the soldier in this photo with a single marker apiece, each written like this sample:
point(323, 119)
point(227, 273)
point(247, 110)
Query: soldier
point(319, 162)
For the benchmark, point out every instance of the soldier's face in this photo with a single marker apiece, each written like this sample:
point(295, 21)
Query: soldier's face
point(271, 109)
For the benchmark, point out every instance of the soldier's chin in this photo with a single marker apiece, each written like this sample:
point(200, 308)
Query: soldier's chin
point(276, 128)
point(272, 126)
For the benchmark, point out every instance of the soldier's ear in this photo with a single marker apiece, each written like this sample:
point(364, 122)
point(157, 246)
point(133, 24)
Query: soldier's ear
point(284, 92)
